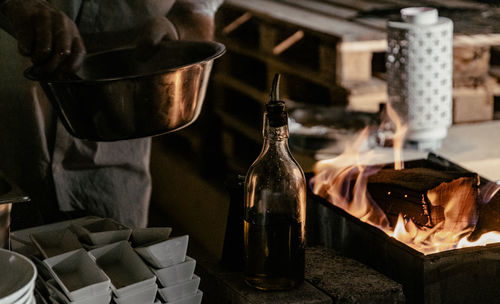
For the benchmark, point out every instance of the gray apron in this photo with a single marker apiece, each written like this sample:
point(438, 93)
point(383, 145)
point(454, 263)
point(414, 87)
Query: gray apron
point(59, 172)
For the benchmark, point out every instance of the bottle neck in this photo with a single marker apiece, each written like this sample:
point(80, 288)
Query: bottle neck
point(274, 134)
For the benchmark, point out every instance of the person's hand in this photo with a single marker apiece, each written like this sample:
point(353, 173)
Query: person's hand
point(46, 35)
point(156, 30)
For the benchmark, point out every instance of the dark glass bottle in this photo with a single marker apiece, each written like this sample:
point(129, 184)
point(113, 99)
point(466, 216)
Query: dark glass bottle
point(275, 208)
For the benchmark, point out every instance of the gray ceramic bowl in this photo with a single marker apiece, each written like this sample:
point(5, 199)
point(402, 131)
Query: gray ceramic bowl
point(118, 96)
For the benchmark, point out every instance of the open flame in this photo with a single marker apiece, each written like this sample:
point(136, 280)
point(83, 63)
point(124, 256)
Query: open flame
point(334, 178)
point(399, 136)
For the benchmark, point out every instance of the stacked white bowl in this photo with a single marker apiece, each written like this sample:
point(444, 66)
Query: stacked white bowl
point(17, 282)
point(174, 270)
point(132, 282)
point(77, 279)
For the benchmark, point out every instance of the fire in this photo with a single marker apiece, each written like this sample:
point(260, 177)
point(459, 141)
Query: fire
point(399, 136)
point(343, 181)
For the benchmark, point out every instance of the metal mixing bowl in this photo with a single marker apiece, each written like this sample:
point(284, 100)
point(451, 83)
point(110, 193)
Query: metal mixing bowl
point(9, 194)
point(118, 96)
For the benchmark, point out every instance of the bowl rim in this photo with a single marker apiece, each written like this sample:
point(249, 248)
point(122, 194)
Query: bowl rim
point(219, 50)
point(28, 281)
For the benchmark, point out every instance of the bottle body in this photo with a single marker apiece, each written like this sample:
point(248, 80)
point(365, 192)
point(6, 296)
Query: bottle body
point(274, 217)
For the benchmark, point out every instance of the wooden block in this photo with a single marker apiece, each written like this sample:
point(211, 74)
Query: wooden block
point(470, 65)
point(354, 66)
point(421, 194)
point(366, 96)
point(472, 104)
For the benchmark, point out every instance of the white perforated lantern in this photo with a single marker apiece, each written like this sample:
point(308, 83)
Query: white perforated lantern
point(419, 69)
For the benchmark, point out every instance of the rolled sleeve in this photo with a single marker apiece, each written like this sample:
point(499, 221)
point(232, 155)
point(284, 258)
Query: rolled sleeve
point(205, 7)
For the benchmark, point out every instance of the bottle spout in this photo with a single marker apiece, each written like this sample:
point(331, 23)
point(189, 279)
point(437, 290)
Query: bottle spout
point(275, 108)
point(275, 89)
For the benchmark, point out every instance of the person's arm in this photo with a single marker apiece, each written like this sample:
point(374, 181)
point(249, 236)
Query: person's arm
point(187, 20)
point(194, 19)
point(45, 34)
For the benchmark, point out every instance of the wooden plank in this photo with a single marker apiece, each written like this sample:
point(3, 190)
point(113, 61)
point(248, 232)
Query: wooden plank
point(353, 66)
point(395, 4)
point(457, 4)
point(360, 5)
point(472, 104)
point(241, 86)
point(476, 40)
point(366, 87)
point(326, 25)
point(470, 65)
point(367, 96)
point(373, 22)
point(363, 46)
point(380, 45)
point(290, 68)
point(323, 8)
point(453, 4)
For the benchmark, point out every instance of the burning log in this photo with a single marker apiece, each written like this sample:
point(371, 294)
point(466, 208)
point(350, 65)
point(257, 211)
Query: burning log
point(422, 195)
point(466, 275)
point(489, 214)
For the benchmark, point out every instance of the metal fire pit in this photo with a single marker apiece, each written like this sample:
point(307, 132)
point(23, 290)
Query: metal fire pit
point(467, 275)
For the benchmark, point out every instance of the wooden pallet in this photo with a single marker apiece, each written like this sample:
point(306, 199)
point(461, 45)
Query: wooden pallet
point(332, 52)
point(336, 44)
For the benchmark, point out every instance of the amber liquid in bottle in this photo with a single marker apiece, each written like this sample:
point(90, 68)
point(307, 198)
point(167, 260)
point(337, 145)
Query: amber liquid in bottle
point(276, 256)
point(274, 219)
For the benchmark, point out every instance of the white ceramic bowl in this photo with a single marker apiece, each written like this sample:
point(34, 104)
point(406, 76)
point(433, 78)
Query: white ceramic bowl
point(101, 232)
point(124, 267)
point(18, 276)
point(59, 295)
point(143, 296)
point(176, 273)
point(55, 242)
point(166, 253)
point(78, 275)
point(194, 299)
point(148, 236)
point(27, 297)
point(181, 290)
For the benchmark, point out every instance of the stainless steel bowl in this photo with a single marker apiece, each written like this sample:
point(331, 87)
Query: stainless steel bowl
point(9, 194)
point(118, 96)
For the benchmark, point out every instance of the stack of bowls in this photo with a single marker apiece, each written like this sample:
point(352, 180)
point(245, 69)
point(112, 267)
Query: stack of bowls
point(132, 282)
point(174, 270)
point(77, 279)
point(17, 282)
